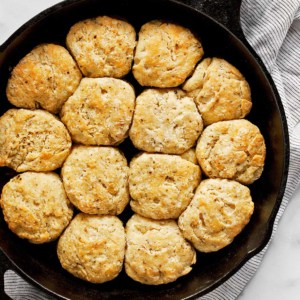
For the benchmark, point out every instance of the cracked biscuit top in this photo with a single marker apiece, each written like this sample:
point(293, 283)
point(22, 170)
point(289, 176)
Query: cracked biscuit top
point(35, 206)
point(33, 140)
point(100, 111)
point(156, 251)
point(162, 185)
point(219, 211)
point(45, 78)
point(96, 179)
point(92, 248)
point(220, 91)
point(166, 54)
point(165, 121)
point(232, 149)
point(102, 46)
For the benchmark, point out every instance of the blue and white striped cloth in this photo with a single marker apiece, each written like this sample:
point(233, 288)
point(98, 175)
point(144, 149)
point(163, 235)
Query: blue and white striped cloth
point(272, 27)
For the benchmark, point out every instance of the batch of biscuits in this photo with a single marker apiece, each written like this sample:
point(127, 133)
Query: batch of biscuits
point(188, 186)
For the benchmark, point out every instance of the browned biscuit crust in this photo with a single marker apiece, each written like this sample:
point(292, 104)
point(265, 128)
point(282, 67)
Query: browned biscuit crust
point(162, 185)
point(102, 46)
point(45, 78)
point(156, 251)
point(100, 111)
point(35, 206)
point(96, 179)
point(92, 248)
point(219, 211)
point(165, 121)
point(232, 149)
point(32, 140)
point(166, 54)
point(220, 91)
point(190, 155)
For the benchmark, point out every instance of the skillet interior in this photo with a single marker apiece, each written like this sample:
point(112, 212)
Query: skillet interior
point(39, 262)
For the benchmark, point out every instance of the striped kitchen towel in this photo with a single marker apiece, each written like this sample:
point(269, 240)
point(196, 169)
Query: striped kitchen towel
point(272, 27)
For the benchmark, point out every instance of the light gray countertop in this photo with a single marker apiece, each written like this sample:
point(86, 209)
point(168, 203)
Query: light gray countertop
point(278, 277)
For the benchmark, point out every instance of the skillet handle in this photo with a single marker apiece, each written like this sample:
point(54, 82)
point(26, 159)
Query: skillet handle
point(226, 12)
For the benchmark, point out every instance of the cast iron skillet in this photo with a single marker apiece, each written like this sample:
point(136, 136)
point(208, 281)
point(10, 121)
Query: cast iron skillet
point(39, 264)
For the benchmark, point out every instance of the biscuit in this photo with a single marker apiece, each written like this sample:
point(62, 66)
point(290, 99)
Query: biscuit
point(32, 140)
point(156, 251)
point(219, 211)
point(166, 54)
point(45, 78)
point(102, 46)
point(100, 111)
point(162, 185)
point(92, 248)
point(96, 179)
point(220, 91)
point(35, 206)
point(190, 155)
point(232, 149)
point(165, 121)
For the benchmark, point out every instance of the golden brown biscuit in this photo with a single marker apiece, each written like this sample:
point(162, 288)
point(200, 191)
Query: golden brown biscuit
point(220, 91)
point(102, 46)
point(100, 111)
point(162, 185)
point(96, 179)
point(165, 121)
point(35, 206)
point(32, 140)
point(92, 248)
point(219, 211)
point(156, 251)
point(232, 149)
point(190, 155)
point(45, 78)
point(166, 54)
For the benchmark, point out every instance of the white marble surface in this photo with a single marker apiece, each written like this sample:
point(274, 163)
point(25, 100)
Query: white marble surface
point(279, 274)
point(278, 277)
